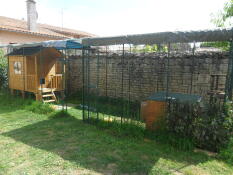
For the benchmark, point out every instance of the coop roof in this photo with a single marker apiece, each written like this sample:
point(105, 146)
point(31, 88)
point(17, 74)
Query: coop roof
point(180, 97)
point(25, 51)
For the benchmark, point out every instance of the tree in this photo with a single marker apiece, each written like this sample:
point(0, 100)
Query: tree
point(224, 17)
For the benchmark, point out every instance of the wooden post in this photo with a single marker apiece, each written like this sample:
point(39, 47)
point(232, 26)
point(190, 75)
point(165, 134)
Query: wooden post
point(8, 71)
point(64, 75)
point(12, 91)
point(38, 96)
point(62, 94)
point(25, 73)
point(37, 91)
point(36, 75)
point(23, 94)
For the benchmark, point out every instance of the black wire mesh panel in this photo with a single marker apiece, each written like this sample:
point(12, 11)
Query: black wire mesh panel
point(106, 95)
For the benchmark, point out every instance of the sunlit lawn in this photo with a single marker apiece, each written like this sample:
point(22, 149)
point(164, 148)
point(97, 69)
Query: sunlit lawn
point(37, 144)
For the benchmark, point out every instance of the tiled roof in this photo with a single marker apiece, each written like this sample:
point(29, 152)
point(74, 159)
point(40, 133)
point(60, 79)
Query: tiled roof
point(15, 25)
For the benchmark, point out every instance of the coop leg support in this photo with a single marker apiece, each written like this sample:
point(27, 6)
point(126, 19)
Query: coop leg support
point(38, 97)
point(23, 94)
point(12, 91)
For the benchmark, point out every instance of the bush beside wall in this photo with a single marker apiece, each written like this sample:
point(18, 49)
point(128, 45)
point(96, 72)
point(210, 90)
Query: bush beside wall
point(210, 129)
point(3, 70)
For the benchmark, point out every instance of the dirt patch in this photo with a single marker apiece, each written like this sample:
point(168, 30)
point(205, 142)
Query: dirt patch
point(209, 153)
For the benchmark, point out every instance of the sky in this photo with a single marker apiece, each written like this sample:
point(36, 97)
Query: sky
point(120, 17)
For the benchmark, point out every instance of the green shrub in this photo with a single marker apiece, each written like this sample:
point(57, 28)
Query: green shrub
point(173, 139)
point(181, 117)
point(226, 153)
point(209, 129)
point(223, 45)
point(40, 108)
point(214, 128)
point(3, 70)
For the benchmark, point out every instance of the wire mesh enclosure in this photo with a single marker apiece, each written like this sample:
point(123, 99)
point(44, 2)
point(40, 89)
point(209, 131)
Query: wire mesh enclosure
point(118, 78)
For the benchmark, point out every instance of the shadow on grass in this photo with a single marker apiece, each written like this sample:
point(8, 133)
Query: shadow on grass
point(98, 150)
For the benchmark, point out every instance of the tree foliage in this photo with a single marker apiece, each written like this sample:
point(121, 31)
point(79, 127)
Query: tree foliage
point(3, 70)
point(150, 48)
point(224, 17)
point(224, 45)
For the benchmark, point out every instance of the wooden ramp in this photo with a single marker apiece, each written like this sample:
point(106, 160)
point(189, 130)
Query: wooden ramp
point(48, 95)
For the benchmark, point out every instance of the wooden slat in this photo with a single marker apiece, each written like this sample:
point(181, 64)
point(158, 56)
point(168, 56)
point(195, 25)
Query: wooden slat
point(56, 82)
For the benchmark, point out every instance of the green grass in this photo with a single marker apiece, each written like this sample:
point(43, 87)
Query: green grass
point(108, 105)
point(227, 152)
point(60, 143)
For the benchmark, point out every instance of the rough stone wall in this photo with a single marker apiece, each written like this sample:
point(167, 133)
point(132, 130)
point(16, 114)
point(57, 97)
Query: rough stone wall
point(144, 74)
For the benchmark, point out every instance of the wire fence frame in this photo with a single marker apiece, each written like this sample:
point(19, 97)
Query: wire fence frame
point(87, 106)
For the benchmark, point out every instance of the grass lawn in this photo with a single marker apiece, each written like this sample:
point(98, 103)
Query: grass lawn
point(38, 144)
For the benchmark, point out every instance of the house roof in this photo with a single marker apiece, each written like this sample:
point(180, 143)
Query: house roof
point(20, 26)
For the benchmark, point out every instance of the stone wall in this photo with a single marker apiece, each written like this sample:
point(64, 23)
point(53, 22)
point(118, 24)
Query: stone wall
point(144, 74)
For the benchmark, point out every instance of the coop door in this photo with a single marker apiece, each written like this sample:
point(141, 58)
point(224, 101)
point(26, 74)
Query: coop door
point(16, 68)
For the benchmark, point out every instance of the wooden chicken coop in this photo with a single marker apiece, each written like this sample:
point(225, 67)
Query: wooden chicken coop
point(37, 70)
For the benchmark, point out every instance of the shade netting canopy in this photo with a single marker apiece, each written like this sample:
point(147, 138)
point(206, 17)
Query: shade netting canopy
point(163, 37)
point(225, 34)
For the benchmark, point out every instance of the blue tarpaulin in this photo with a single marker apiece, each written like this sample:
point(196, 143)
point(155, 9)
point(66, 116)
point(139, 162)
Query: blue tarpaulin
point(58, 44)
point(63, 44)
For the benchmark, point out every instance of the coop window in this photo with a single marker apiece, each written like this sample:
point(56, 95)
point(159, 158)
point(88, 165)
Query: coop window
point(17, 67)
